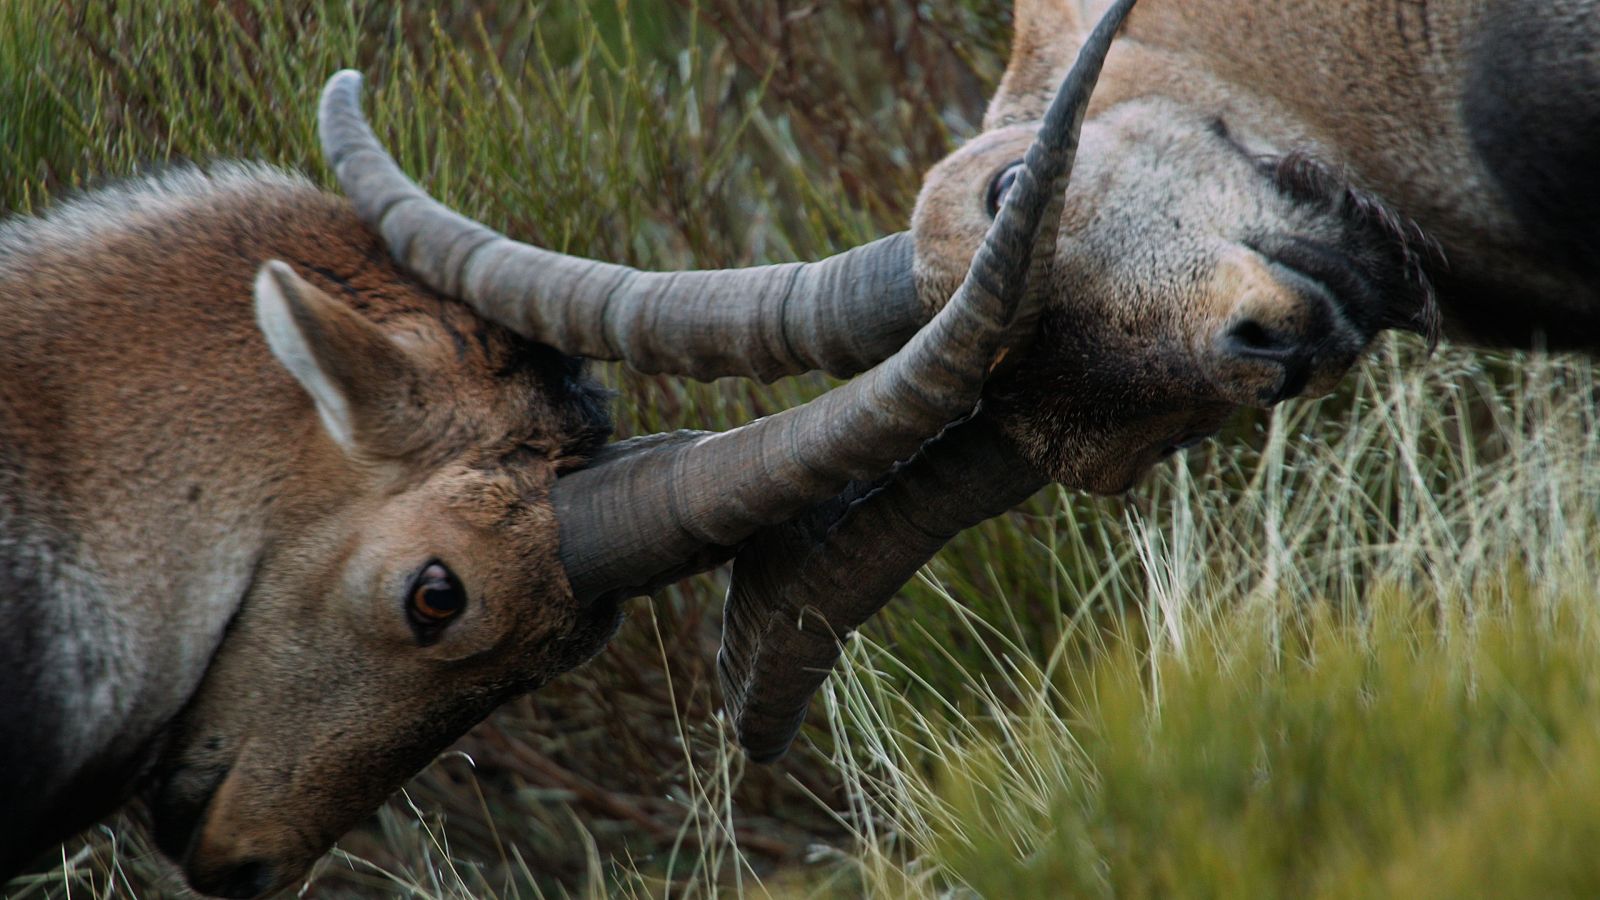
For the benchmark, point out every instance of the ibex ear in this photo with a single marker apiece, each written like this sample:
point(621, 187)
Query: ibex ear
point(1045, 40)
point(357, 377)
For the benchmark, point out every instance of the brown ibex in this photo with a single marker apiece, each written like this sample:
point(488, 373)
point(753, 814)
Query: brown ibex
point(1264, 186)
point(260, 562)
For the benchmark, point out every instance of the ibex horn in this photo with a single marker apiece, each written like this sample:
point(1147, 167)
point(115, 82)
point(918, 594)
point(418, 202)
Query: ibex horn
point(628, 520)
point(801, 586)
point(841, 315)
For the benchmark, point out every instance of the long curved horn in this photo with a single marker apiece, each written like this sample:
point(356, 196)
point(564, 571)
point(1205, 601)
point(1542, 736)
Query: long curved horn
point(626, 522)
point(841, 315)
point(801, 587)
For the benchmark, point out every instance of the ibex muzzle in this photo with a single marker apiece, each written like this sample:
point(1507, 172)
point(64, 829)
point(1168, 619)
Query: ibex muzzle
point(1194, 276)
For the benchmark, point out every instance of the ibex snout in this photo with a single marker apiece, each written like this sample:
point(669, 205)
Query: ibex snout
point(233, 871)
point(249, 878)
point(1283, 336)
point(225, 851)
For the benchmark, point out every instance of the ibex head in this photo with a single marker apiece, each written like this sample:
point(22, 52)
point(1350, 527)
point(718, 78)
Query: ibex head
point(420, 588)
point(1198, 269)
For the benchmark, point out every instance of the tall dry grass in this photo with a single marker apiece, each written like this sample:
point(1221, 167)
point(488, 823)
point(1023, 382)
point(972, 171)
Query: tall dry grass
point(1358, 662)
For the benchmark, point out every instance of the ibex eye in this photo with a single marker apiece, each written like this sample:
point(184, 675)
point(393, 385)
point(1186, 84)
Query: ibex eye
point(1000, 186)
point(436, 597)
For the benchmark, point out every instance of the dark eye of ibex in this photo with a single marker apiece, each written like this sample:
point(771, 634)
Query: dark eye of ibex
point(434, 599)
point(999, 186)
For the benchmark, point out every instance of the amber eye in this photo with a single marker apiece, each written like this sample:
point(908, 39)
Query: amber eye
point(1000, 186)
point(436, 596)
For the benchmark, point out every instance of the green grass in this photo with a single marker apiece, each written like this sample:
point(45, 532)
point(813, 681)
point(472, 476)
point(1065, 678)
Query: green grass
point(1356, 658)
point(1304, 758)
point(1347, 650)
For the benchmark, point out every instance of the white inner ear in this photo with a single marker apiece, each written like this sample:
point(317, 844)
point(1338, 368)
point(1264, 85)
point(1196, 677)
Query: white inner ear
point(289, 345)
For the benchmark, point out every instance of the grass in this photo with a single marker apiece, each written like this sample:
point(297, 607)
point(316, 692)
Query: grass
point(1359, 661)
point(1327, 759)
point(1347, 650)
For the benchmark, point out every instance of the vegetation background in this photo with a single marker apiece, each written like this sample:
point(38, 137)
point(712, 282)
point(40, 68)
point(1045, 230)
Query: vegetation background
point(1347, 649)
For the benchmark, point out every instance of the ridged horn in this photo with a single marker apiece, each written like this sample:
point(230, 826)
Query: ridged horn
point(800, 587)
point(842, 314)
point(628, 520)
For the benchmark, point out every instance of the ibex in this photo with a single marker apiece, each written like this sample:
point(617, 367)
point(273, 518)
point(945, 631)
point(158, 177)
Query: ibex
point(1264, 187)
point(260, 561)
point(1260, 176)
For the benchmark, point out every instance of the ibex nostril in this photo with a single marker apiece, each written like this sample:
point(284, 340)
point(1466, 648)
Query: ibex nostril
point(1260, 365)
point(248, 879)
point(1250, 338)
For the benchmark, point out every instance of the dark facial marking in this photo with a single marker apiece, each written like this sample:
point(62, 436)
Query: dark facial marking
point(1403, 251)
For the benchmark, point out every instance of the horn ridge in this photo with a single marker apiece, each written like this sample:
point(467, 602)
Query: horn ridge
point(842, 314)
point(625, 523)
point(799, 588)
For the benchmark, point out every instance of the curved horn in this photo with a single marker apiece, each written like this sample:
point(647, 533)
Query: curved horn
point(801, 587)
point(842, 314)
point(626, 522)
